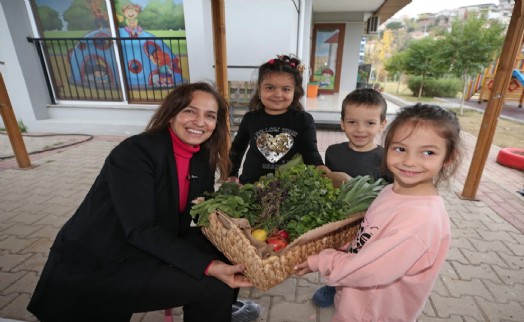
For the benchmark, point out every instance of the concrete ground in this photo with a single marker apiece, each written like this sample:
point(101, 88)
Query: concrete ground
point(482, 279)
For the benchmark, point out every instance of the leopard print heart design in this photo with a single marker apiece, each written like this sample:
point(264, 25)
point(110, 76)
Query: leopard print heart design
point(273, 148)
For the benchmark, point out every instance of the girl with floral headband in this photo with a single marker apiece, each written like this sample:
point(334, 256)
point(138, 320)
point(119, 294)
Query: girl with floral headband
point(276, 126)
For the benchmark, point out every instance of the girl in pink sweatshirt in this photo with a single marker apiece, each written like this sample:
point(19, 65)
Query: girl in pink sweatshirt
point(388, 271)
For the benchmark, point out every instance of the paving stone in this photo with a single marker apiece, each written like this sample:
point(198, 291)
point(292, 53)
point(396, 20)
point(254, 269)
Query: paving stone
point(455, 254)
point(506, 293)
point(496, 235)
point(514, 262)
point(6, 299)
point(511, 311)
point(488, 257)
point(448, 306)
point(11, 260)
point(282, 311)
point(509, 276)
point(462, 243)
point(475, 287)
point(453, 318)
point(468, 272)
point(285, 289)
point(16, 309)
point(484, 246)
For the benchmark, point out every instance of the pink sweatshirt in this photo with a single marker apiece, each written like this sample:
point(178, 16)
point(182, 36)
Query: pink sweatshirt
point(394, 261)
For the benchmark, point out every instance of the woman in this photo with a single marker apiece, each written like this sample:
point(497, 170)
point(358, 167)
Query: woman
point(129, 247)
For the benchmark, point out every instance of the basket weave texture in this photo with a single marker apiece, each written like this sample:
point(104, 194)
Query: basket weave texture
point(265, 270)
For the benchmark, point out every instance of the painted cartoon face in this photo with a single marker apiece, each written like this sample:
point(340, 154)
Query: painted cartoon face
point(361, 124)
point(197, 121)
point(130, 12)
point(276, 92)
point(415, 157)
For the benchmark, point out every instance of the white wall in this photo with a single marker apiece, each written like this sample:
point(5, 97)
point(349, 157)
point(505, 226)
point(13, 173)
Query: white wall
point(21, 70)
point(258, 30)
point(199, 34)
point(350, 57)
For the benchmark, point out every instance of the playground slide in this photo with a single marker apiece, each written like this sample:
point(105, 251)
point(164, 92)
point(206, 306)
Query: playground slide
point(518, 75)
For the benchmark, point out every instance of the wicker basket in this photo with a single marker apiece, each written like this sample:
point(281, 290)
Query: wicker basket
point(265, 268)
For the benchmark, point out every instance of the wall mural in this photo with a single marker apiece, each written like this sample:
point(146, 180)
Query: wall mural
point(149, 60)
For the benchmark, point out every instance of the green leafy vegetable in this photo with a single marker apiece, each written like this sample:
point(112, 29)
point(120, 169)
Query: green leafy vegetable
point(296, 198)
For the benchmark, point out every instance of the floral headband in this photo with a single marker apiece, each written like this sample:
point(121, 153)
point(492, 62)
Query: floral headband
point(291, 61)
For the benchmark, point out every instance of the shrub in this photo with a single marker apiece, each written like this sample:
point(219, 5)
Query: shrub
point(442, 87)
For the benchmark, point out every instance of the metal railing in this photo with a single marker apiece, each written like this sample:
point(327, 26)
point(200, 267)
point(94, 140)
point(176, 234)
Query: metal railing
point(102, 68)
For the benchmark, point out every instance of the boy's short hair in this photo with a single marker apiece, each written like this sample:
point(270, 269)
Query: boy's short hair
point(365, 96)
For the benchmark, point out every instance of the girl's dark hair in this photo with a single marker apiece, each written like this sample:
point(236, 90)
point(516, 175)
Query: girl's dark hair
point(445, 123)
point(282, 64)
point(219, 142)
point(365, 97)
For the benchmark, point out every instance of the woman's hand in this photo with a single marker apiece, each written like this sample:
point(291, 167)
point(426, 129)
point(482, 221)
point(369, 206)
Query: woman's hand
point(229, 274)
point(233, 179)
point(302, 269)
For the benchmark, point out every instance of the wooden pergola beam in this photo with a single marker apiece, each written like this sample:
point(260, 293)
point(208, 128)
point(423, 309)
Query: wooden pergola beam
point(512, 46)
point(11, 125)
point(219, 42)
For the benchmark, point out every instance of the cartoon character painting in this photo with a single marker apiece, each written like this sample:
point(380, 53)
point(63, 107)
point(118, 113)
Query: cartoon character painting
point(130, 12)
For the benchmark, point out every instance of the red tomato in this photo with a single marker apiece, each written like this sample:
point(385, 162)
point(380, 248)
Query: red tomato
point(278, 243)
point(283, 234)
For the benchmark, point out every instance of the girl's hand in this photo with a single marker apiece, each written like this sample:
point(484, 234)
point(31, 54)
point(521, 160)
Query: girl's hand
point(231, 275)
point(323, 168)
point(302, 269)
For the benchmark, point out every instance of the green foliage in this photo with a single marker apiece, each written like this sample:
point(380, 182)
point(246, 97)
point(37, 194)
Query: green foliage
point(49, 18)
point(471, 45)
point(162, 14)
point(394, 25)
point(78, 16)
point(296, 198)
point(442, 87)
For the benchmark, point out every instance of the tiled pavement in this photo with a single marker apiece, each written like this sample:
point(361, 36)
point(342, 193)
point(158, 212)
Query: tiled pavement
point(483, 279)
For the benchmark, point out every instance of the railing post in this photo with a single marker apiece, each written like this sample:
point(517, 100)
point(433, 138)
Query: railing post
point(13, 132)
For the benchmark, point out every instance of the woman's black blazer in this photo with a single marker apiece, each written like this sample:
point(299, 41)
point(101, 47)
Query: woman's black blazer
point(129, 216)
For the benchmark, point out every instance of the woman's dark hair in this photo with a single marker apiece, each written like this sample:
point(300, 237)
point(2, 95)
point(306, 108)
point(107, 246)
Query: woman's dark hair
point(445, 123)
point(219, 142)
point(365, 97)
point(281, 64)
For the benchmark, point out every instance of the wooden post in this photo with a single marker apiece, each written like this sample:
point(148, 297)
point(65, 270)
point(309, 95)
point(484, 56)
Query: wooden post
point(512, 46)
point(219, 41)
point(13, 132)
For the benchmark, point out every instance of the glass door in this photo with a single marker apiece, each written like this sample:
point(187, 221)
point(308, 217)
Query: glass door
point(326, 56)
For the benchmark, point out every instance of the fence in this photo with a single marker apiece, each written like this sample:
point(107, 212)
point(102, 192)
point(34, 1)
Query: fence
point(99, 68)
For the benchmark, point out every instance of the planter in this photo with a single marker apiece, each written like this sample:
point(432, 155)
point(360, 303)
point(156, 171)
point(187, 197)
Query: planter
point(312, 90)
point(511, 158)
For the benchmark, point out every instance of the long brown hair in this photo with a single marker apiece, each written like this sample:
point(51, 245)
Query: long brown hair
point(219, 142)
point(446, 125)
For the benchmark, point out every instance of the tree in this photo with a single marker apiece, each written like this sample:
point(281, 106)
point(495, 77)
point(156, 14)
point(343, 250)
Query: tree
point(162, 14)
point(422, 59)
point(394, 25)
point(49, 18)
point(396, 65)
point(470, 46)
point(79, 17)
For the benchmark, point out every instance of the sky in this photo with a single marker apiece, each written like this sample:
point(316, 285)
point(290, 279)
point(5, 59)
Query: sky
point(423, 6)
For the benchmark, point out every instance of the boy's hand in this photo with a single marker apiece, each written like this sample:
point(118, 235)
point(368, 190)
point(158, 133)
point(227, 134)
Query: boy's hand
point(323, 168)
point(302, 269)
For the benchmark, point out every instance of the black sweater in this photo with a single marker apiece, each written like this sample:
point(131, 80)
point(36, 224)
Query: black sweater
point(273, 140)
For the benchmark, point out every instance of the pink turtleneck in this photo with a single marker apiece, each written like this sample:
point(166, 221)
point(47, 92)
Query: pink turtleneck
point(183, 153)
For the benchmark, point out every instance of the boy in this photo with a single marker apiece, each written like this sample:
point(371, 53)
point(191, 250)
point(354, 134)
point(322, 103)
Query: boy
point(363, 117)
